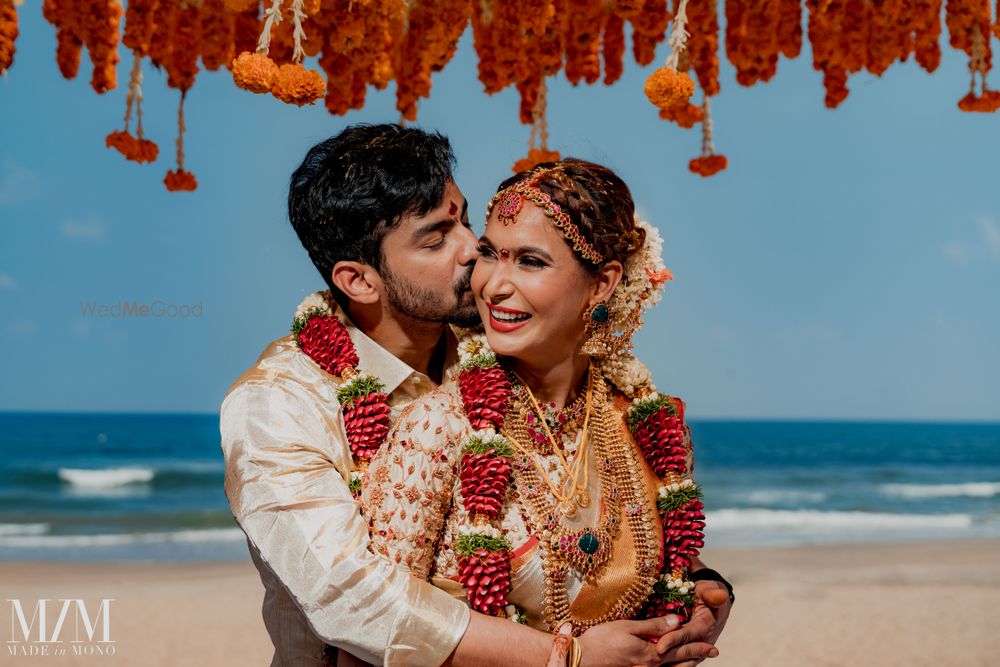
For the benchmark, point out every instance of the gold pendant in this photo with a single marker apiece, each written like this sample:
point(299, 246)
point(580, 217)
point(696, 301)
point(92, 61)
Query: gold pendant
point(583, 499)
point(567, 508)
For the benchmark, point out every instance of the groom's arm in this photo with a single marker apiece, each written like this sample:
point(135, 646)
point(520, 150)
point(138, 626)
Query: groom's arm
point(285, 488)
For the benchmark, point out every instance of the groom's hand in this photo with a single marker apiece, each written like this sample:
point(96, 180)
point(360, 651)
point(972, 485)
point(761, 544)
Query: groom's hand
point(708, 618)
point(627, 643)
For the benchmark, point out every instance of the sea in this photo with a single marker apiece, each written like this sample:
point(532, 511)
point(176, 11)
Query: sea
point(133, 487)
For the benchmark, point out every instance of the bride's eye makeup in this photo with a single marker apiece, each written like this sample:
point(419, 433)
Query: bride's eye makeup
point(531, 262)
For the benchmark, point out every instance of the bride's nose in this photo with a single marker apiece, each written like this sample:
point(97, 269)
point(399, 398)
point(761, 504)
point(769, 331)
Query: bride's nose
point(498, 285)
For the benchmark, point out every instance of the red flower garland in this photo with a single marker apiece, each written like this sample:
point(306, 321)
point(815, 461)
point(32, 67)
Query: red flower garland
point(661, 436)
point(325, 340)
point(485, 575)
point(485, 392)
point(484, 565)
point(485, 478)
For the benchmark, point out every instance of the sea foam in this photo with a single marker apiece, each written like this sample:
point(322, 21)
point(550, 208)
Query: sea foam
point(814, 520)
point(122, 539)
point(967, 490)
point(11, 529)
point(104, 478)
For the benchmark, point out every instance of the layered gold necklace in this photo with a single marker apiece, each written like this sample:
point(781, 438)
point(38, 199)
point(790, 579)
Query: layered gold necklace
point(586, 549)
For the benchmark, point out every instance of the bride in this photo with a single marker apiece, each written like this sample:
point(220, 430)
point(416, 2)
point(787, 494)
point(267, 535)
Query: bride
point(547, 480)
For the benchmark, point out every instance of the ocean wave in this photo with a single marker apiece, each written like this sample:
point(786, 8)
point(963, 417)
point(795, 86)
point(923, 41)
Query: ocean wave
point(122, 539)
point(10, 529)
point(779, 496)
point(103, 478)
point(753, 519)
point(967, 489)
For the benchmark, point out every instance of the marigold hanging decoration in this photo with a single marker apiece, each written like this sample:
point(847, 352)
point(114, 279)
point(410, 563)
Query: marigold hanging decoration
point(613, 48)
point(256, 71)
point(178, 180)
point(100, 24)
point(135, 148)
point(649, 28)
point(62, 14)
point(362, 43)
point(294, 83)
point(708, 163)
point(218, 31)
point(968, 25)
point(538, 143)
point(669, 87)
point(8, 34)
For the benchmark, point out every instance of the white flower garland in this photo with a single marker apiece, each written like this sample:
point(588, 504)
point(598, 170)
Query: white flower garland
point(637, 292)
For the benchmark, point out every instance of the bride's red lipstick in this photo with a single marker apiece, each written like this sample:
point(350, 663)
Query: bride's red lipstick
point(506, 327)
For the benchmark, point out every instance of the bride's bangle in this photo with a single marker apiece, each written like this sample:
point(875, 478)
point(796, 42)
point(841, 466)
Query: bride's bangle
point(575, 654)
point(566, 652)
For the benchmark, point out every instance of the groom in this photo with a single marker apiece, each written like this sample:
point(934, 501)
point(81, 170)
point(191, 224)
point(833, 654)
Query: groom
point(381, 217)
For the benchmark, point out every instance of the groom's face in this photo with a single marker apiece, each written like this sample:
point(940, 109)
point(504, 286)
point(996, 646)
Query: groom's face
point(427, 262)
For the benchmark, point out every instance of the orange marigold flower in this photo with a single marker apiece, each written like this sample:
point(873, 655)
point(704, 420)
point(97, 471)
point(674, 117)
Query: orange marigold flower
point(685, 115)
point(148, 151)
point(136, 150)
point(968, 103)
point(237, 6)
point(535, 156)
point(254, 72)
point(298, 85)
point(708, 165)
point(178, 180)
point(988, 102)
point(8, 33)
point(667, 88)
point(68, 48)
point(123, 142)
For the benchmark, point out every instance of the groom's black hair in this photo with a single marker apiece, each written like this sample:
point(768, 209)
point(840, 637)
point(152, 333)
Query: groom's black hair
point(353, 188)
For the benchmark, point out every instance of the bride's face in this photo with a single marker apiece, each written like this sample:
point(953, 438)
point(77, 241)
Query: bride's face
point(532, 291)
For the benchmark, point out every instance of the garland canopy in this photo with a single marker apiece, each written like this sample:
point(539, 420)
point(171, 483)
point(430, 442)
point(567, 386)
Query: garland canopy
point(519, 43)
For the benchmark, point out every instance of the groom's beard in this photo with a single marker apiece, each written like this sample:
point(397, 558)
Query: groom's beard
point(416, 301)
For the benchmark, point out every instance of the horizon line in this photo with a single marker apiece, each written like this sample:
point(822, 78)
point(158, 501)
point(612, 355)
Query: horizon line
point(987, 421)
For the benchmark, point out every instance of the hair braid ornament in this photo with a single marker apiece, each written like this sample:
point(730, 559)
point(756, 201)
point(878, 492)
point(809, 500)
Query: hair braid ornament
point(319, 332)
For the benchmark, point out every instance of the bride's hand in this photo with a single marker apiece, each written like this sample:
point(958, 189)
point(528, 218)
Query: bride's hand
point(627, 643)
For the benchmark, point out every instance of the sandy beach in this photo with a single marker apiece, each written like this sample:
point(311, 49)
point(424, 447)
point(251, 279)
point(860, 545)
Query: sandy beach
point(932, 603)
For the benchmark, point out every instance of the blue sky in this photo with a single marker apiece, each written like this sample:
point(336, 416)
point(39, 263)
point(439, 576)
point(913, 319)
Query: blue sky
point(847, 265)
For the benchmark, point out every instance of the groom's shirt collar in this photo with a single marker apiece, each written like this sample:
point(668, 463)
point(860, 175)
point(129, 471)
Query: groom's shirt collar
point(402, 383)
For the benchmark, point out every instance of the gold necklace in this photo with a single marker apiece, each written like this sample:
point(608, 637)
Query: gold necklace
point(577, 496)
point(622, 489)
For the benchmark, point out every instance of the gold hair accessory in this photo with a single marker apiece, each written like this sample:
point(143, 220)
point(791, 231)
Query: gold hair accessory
point(511, 201)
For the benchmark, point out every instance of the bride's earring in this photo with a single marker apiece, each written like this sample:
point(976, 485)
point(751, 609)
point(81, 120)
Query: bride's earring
point(598, 330)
